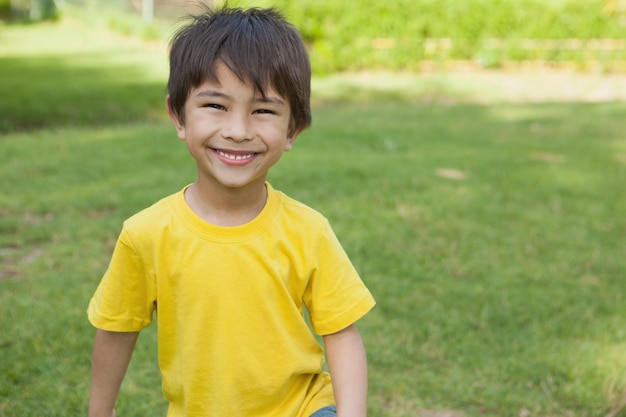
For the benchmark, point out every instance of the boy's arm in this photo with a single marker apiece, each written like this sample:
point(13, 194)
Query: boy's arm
point(111, 355)
point(348, 369)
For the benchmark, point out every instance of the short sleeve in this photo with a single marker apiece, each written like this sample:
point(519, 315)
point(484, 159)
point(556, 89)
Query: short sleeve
point(124, 300)
point(336, 297)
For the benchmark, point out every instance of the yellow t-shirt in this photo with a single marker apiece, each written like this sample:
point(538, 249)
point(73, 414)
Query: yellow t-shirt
point(229, 305)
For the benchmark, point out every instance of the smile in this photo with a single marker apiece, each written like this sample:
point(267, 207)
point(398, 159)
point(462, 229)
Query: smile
point(233, 157)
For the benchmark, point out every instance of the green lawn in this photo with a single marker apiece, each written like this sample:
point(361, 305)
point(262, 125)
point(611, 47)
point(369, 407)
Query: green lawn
point(492, 235)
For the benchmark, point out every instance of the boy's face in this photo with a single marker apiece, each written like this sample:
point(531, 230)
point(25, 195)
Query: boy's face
point(233, 133)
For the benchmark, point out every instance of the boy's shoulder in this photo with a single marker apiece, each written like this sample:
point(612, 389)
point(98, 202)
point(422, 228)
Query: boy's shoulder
point(291, 207)
point(154, 215)
point(296, 218)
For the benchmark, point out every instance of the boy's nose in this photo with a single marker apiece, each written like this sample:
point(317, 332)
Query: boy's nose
point(238, 129)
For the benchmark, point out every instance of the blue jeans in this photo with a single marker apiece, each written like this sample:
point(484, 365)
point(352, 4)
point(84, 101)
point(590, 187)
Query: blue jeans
point(330, 411)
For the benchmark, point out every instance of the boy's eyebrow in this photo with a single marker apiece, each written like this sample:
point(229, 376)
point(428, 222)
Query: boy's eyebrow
point(270, 100)
point(210, 93)
point(260, 99)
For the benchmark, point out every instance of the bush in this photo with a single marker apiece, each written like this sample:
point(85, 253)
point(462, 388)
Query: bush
point(22, 10)
point(5, 10)
point(352, 35)
point(356, 34)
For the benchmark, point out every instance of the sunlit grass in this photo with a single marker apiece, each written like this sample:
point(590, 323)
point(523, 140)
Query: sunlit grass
point(491, 234)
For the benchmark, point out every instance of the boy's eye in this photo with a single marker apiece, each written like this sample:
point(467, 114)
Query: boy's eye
point(214, 106)
point(265, 111)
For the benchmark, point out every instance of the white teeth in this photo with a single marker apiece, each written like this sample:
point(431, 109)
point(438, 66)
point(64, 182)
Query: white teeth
point(235, 157)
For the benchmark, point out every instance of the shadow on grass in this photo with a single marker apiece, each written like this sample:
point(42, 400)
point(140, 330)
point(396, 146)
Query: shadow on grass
point(58, 91)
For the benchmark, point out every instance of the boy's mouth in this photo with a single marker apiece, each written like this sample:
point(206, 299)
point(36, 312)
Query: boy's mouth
point(235, 156)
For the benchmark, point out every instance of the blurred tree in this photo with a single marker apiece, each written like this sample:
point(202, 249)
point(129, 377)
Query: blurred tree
point(5, 10)
point(32, 10)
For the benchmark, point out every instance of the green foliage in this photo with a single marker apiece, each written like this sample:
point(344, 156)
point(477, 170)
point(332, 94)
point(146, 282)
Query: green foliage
point(417, 34)
point(5, 10)
point(401, 34)
point(28, 10)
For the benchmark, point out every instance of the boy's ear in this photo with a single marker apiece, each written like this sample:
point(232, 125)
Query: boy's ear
point(291, 139)
point(180, 127)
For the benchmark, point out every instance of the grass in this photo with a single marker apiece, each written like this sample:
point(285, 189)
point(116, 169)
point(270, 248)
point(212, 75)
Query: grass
point(491, 233)
point(52, 62)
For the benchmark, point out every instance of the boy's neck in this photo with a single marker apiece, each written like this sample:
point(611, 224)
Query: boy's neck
point(226, 207)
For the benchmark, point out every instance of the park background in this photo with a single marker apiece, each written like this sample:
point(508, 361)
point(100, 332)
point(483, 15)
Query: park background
point(471, 156)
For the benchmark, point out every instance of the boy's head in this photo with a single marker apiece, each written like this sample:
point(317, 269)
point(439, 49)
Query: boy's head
point(258, 45)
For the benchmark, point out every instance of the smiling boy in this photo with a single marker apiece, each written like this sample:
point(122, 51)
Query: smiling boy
point(229, 264)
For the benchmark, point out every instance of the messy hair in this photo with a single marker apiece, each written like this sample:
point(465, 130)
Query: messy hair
point(258, 45)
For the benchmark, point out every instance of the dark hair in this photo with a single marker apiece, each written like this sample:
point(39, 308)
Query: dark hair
point(258, 45)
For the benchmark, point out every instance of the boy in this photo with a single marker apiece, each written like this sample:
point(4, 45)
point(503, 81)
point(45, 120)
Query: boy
point(228, 264)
